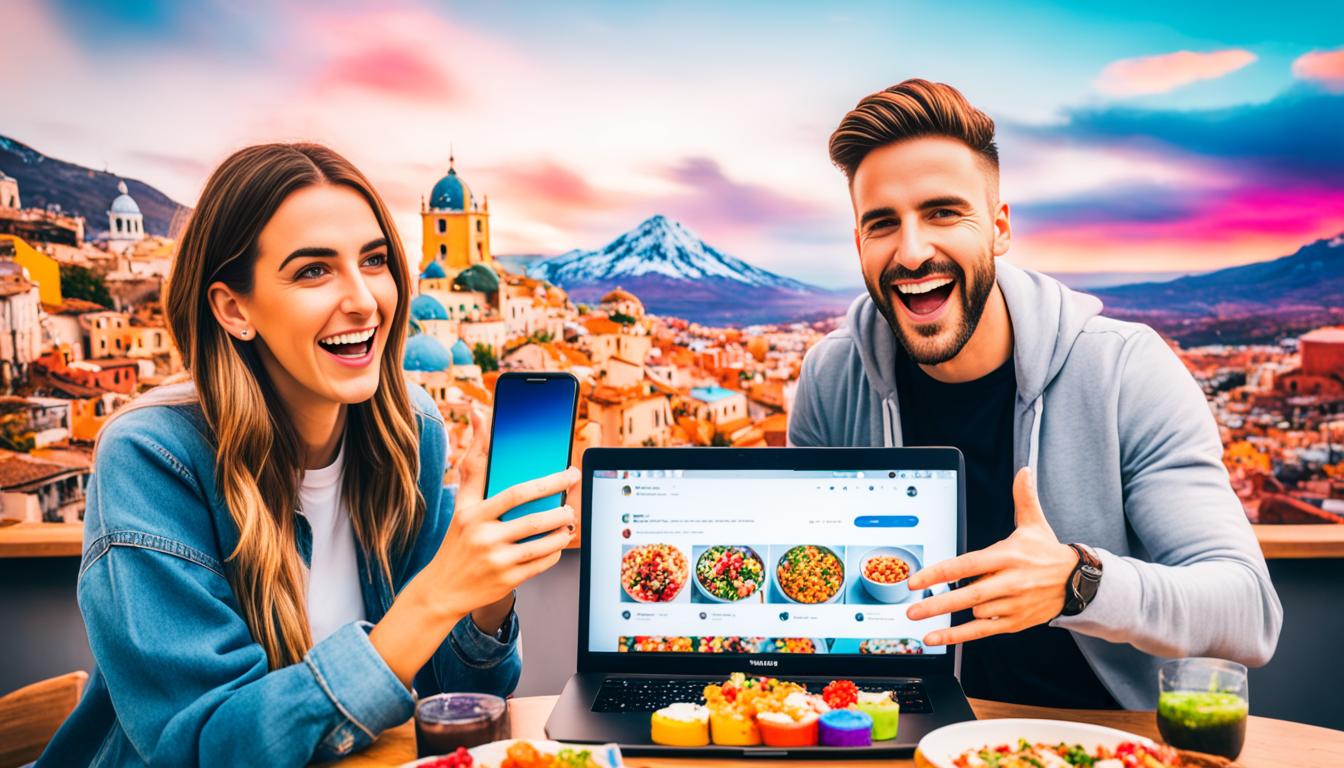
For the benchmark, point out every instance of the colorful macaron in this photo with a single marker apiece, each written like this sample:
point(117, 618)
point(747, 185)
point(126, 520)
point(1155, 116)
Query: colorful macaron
point(681, 725)
point(790, 720)
point(728, 728)
point(885, 713)
point(845, 728)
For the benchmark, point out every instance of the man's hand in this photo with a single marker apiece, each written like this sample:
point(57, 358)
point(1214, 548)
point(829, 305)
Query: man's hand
point(1019, 582)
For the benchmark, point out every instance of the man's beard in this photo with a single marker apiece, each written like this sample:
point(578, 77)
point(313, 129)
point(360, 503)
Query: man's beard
point(974, 295)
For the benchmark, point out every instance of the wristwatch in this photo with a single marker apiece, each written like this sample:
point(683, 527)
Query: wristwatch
point(1083, 582)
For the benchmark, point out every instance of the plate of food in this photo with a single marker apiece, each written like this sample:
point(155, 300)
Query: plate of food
point(524, 753)
point(900, 646)
point(731, 644)
point(810, 574)
point(884, 571)
point(653, 573)
point(729, 573)
point(1025, 743)
point(654, 644)
point(798, 645)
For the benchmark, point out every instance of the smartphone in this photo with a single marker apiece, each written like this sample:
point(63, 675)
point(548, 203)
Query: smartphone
point(531, 433)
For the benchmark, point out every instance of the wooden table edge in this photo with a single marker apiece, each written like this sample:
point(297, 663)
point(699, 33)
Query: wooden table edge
point(42, 540)
point(1297, 542)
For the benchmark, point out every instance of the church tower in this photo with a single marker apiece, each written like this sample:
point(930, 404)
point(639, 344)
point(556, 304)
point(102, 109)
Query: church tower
point(456, 228)
point(125, 223)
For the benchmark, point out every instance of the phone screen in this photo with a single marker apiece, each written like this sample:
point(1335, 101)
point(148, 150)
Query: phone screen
point(531, 432)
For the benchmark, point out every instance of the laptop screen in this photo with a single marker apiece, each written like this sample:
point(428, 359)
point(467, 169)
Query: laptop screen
point(765, 561)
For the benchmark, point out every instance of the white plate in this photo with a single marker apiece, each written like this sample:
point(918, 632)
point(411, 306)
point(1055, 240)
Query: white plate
point(942, 746)
point(492, 754)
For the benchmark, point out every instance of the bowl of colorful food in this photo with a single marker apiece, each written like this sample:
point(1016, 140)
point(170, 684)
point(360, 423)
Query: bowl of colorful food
point(521, 753)
point(884, 571)
point(728, 573)
point(810, 574)
point(1024, 743)
point(653, 573)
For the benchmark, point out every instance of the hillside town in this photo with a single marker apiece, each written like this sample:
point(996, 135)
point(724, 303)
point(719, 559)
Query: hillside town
point(82, 332)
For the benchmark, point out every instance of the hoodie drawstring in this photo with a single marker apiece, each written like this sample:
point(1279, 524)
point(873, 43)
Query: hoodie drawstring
point(1034, 447)
point(886, 423)
point(890, 423)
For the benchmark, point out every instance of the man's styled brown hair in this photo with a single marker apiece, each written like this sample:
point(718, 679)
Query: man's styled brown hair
point(908, 110)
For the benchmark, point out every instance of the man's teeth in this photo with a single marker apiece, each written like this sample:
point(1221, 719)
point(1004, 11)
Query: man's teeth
point(924, 287)
point(350, 338)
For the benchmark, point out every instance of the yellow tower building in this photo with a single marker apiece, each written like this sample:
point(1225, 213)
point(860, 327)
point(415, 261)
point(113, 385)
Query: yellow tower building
point(456, 227)
point(42, 269)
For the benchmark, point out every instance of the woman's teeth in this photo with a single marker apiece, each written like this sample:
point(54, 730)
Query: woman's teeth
point(350, 338)
point(354, 344)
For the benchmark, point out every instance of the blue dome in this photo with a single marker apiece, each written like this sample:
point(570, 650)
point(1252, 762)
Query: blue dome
point(425, 353)
point(450, 194)
point(427, 308)
point(434, 271)
point(124, 203)
point(461, 354)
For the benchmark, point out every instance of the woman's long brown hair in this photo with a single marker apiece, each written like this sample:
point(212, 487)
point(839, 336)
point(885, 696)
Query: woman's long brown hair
point(258, 455)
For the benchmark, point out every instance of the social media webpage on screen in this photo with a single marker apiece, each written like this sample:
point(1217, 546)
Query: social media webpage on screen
point(765, 561)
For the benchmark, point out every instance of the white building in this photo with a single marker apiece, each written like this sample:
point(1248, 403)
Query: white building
point(9, 192)
point(20, 322)
point(125, 223)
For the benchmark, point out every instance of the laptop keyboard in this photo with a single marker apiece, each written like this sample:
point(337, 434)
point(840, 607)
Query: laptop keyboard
point(646, 694)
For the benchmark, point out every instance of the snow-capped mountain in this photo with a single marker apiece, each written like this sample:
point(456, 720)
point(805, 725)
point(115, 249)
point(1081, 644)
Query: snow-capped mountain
point(673, 272)
point(658, 246)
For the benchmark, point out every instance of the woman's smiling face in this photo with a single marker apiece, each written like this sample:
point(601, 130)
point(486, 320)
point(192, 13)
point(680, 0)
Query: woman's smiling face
point(322, 296)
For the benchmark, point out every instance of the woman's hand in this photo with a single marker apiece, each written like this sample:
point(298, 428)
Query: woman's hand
point(479, 563)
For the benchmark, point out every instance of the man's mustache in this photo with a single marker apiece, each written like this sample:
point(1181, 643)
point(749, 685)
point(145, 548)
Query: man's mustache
point(951, 269)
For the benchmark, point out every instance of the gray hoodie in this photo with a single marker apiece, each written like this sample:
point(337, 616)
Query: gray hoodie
point(1127, 459)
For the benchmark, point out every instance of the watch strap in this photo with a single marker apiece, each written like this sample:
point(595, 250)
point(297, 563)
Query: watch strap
point(1081, 586)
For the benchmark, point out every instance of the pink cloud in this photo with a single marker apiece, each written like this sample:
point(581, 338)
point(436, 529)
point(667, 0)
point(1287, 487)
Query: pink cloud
point(1325, 66)
point(715, 203)
point(392, 70)
point(1169, 71)
point(551, 192)
point(1246, 225)
point(403, 51)
point(551, 181)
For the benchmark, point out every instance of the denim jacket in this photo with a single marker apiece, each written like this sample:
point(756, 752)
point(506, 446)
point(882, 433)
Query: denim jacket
point(178, 679)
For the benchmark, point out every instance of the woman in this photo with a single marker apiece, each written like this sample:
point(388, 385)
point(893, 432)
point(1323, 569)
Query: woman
point(270, 575)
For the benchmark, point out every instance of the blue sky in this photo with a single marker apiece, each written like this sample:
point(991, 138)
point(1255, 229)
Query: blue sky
point(1148, 137)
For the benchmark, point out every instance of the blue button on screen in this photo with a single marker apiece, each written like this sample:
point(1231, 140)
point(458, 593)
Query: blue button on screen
point(886, 521)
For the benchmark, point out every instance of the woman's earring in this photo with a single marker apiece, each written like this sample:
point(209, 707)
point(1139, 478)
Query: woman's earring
point(245, 333)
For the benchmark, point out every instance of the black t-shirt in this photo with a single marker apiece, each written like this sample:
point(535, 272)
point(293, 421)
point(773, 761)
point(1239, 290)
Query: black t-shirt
point(1041, 665)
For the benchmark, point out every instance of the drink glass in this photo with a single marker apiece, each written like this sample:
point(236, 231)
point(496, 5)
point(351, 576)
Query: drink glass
point(451, 720)
point(1202, 705)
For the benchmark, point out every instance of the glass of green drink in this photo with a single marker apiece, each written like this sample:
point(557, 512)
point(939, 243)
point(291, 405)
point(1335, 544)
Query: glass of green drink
point(1202, 705)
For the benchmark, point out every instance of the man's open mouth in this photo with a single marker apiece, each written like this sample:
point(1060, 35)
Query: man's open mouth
point(926, 296)
point(352, 345)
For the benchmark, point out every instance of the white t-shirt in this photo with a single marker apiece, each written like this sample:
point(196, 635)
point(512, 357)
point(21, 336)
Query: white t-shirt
point(334, 597)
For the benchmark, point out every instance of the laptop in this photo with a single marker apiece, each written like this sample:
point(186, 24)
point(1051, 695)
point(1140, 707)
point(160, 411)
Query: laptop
point(795, 528)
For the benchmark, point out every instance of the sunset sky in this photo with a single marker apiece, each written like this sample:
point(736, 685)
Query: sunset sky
point(1144, 139)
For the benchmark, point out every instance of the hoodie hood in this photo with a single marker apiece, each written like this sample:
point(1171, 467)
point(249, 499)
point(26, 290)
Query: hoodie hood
point(1046, 315)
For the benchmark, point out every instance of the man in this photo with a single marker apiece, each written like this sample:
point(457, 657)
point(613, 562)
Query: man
point(1077, 430)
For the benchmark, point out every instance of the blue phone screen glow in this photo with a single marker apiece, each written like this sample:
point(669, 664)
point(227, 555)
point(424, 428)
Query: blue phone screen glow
point(530, 436)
